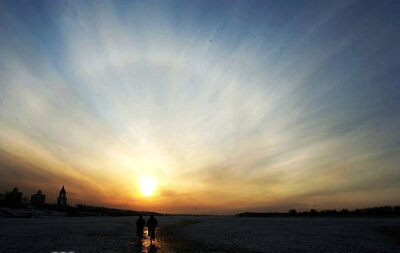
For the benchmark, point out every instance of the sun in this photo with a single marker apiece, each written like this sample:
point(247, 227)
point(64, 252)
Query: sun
point(147, 185)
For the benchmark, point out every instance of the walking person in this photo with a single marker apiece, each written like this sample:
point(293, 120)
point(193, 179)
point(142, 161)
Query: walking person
point(140, 223)
point(151, 225)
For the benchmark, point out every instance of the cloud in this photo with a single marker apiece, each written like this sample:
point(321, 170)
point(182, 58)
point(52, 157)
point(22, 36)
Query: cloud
point(98, 94)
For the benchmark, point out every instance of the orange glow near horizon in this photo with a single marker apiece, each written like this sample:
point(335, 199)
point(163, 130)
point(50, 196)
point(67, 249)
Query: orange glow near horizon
point(192, 110)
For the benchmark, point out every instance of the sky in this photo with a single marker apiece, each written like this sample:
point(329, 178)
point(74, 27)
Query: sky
point(228, 106)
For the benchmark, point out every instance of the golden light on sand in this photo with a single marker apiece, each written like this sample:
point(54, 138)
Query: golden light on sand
point(147, 185)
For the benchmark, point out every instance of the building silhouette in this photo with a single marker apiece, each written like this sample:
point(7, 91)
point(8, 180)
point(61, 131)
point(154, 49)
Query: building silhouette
point(62, 198)
point(38, 199)
point(13, 199)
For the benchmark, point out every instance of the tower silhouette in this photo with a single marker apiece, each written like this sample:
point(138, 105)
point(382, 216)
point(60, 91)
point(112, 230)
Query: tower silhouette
point(62, 199)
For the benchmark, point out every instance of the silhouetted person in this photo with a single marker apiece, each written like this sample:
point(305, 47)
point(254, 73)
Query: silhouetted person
point(151, 225)
point(140, 223)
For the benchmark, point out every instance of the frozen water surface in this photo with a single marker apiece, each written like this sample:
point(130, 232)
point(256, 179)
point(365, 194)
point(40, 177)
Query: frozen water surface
point(117, 234)
point(295, 234)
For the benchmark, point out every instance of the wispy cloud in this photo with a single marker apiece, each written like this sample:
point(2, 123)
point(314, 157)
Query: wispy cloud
point(251, 105)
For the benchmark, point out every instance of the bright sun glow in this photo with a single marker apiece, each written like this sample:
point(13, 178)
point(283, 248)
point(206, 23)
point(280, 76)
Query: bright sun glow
point(147, 186)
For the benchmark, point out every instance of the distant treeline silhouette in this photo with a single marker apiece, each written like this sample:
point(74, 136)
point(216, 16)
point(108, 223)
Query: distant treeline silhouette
point(85, 210)
point(380, 211)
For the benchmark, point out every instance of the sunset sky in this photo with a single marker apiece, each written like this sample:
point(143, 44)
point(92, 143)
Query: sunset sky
point(228, 106)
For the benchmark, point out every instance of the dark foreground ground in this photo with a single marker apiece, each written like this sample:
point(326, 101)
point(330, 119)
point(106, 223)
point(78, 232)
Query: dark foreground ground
point(200, 234)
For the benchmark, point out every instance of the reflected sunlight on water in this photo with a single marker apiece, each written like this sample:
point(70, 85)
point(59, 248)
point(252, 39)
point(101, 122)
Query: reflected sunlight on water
point(145, 245)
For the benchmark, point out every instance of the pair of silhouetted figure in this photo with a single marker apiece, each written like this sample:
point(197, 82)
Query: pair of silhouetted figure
point(151, 225)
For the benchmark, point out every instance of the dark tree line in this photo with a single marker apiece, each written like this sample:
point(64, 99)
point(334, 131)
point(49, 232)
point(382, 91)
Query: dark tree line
point(379, 211)
point(85, 210)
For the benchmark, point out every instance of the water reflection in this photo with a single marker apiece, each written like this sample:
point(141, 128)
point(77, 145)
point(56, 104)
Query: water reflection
point(145, 246)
